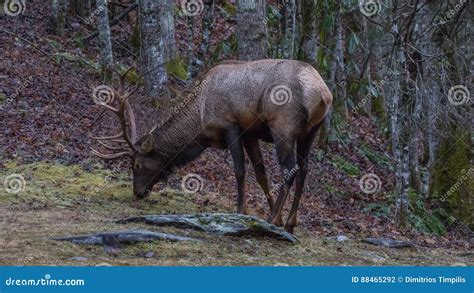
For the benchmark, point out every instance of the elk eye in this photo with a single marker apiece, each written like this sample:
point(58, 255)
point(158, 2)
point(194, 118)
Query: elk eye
point(137, 166)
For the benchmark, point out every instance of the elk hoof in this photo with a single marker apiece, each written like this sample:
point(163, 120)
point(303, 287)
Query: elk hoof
point(139, 196)
point(289, 228)
point(242, 211)
point(279, 222)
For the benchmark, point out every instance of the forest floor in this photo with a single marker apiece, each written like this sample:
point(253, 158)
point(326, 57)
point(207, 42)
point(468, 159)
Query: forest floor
point(61, 201)
point(48, 117)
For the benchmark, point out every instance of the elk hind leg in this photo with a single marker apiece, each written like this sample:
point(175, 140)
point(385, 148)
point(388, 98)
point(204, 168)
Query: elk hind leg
point(303, 148)
point(284, 146)
point(253, 150)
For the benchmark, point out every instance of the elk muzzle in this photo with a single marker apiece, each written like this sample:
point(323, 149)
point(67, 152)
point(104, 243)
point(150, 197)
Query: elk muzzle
point(141, 189)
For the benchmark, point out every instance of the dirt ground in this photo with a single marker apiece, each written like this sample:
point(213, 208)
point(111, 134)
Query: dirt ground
point(59, 200)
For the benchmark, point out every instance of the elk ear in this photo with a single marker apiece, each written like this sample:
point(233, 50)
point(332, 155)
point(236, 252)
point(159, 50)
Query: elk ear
point(147, 145)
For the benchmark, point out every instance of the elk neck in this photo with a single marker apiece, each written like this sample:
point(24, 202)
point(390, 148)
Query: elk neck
point(180, 140)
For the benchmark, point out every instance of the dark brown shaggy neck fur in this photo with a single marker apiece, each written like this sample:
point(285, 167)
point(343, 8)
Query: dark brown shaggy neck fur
point(179, 140)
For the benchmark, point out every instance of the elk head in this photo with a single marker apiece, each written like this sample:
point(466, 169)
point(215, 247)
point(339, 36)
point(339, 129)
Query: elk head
point(146, 166)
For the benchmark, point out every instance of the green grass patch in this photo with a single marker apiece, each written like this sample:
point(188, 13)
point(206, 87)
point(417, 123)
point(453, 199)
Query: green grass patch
point(423, 220)
point(375, 157)
point(346, 166)
point(377, 209)
point(333, 190)
point(177, 68)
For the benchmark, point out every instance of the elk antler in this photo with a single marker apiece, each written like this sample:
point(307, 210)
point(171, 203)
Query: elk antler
point(125, 135)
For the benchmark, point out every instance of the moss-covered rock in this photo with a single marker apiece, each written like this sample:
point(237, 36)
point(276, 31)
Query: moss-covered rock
point(217, 223)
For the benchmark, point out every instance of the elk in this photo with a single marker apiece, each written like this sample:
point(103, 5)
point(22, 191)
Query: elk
point(236, 104)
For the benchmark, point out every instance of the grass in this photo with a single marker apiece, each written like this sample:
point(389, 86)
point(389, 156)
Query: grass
point(61, 200)
point(346, 166)
point(375, 157)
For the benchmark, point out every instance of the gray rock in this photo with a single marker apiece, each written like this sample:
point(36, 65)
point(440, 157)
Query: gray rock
point(111, 243)
point(123, 237)
point(389, 242)
point(149, 254)
point(342, 238)
point(217, 223)
point(78, 258)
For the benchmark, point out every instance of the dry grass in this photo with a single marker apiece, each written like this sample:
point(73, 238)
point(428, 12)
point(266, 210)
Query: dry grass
point(67, 200)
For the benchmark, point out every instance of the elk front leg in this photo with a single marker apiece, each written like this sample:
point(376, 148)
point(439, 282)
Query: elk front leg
point(286, 157)
point(255, 155)
point(234, 144)
point(303, 148)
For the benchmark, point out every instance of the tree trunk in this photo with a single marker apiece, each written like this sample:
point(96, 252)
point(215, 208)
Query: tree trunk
point(308, 32)
point(336, 69)
point(58, 16)
point(192, 70)
point(289, 29)
point(251, 30)
point(207, 22)
point(152, 50)
point(167, 28)
point(106, 56)
point(81, 7)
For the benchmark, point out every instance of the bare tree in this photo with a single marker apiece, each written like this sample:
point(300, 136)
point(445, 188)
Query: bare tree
point(106, 55)
point(152, 46)
point(288, 25)
point(251, 30)
point(308, 31)
point(167, 28)
point(81, 7)
point(58, 15)
point(207, 22)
